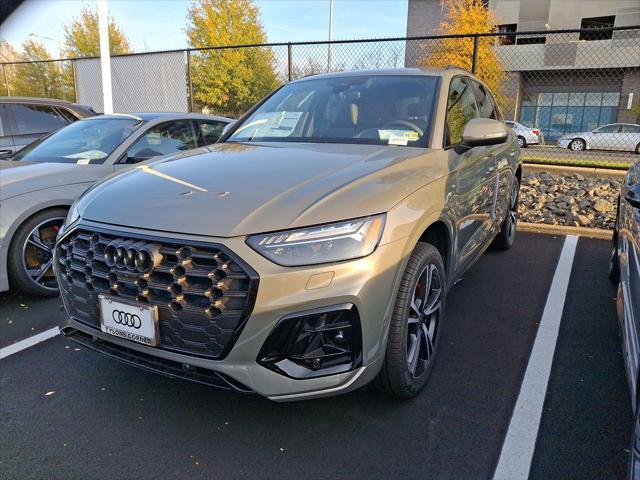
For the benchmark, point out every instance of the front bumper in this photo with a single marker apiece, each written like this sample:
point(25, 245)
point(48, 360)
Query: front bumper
point(368, 284)
point(564, 143)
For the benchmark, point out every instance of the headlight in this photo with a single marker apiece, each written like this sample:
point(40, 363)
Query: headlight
point(333, 242)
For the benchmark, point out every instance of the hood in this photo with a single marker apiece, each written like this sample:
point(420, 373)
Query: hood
point(19, 178)
point(239, 189)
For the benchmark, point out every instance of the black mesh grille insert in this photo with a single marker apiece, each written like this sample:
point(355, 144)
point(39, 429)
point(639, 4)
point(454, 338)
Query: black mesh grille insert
point(204, 292)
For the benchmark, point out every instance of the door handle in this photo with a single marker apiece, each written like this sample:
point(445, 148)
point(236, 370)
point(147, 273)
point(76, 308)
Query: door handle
point(5, 152)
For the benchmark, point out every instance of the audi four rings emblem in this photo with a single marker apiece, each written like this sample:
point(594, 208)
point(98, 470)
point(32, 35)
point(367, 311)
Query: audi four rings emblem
point(126, 319)
point(138, 257)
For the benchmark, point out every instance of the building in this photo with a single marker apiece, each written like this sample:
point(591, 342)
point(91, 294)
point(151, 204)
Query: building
point(565, 82)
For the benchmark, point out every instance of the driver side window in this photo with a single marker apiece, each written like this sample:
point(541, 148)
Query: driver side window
point(461, 107)
point(163, 139)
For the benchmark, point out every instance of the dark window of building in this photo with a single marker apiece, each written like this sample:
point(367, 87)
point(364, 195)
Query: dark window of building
point(39, 119)
point(558, 113)
point(531, 40)
point(507, 28)
point(597, 22)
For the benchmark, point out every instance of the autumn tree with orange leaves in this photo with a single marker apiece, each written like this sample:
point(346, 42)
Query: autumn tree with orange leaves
point(467, 17)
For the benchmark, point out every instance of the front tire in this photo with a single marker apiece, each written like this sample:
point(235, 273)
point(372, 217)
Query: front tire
point(30, 261)
point(522, 143)
point(577, 145)
point(415, 330)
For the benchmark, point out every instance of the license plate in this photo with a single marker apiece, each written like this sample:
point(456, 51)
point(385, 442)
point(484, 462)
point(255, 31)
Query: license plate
point(131, 321)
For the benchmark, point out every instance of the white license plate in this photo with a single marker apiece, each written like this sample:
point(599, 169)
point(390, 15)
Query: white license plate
point(131, 321)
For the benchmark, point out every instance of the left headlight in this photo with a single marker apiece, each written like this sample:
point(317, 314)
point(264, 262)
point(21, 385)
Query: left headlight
point(334, 242)
point(72, 217)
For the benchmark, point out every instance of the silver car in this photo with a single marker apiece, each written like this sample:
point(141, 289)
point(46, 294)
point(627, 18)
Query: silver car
point(616, 136)
point(526, 135)
point(41, 181)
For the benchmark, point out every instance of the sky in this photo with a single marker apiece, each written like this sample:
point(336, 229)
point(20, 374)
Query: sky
point(159, 24)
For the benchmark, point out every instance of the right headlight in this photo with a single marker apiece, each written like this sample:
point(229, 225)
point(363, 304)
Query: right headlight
point(334, 242)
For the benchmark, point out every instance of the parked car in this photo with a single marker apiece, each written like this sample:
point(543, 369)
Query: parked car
point(526, 135)
point(42, 181)
point(311, 251)
point(624, 270)
point(25, 119)
point(617, 136)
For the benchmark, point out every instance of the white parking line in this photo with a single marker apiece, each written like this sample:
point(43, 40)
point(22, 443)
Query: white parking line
point(520, 441)
point(28, 342)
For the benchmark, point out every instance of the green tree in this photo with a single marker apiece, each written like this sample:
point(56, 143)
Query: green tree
point(8, 72)
point(37, 79)
point(229, 81)
point(82, 36)
point(467, 17)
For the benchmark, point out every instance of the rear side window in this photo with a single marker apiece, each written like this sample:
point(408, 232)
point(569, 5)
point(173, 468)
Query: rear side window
point(461, 107)
point(36, 119)
point(210, 130)
point(609, 129)
point(631, 129)
point(486, 104)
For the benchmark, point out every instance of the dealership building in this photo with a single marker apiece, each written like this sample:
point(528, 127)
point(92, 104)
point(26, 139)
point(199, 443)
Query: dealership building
point(565, 82)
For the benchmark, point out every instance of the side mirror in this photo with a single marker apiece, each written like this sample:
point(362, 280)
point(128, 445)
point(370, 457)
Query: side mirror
point(484, 131)
point(633, 196)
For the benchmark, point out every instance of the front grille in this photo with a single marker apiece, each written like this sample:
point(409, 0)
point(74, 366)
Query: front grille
point(203, 291)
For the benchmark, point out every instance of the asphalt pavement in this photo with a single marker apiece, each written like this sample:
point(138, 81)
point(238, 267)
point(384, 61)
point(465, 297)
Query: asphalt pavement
point(68, 412)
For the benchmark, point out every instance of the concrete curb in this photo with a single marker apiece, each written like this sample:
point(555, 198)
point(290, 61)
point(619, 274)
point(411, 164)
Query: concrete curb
point(598, 233)
point(568, 170)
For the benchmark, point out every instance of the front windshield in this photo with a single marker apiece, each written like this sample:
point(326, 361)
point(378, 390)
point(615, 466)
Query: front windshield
point(368, 109)
point(85, 141)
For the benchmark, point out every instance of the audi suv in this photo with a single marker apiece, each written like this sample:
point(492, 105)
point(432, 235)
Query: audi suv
point(310, 251)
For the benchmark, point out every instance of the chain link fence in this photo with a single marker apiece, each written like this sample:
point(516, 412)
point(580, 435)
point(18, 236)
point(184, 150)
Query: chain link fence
point(572, 96)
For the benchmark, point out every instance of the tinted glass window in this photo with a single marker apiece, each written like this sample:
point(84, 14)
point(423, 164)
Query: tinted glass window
point(86, 141)
point(211, 130)
point(164, 139)
point(486, 103)
point(364, 109)
point(631, 129)
point(461, 107)
point(69, 117)
point(32, 119)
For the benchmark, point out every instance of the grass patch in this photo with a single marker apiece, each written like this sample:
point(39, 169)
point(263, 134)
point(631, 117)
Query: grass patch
point(577, 162)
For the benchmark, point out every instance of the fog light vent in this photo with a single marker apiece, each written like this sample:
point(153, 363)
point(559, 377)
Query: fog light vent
point(315, 343)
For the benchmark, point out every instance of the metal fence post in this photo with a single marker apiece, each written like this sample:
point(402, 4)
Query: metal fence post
point(75, 80)
point(6, 82)
point(189, 83)
point(474, 59)
point(289, 56)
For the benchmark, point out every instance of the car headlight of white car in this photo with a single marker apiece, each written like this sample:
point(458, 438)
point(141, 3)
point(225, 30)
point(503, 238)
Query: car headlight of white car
point(327, 243)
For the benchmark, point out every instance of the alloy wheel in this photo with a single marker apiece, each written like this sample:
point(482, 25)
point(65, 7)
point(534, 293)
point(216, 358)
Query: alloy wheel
point(37, 253)
point(577, 145)
point(424, 320)
point(521, 142)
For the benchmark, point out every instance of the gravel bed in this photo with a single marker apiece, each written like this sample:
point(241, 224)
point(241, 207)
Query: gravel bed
point(568, 199)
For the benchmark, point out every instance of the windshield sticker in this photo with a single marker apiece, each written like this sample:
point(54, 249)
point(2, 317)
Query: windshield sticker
point(398, 140)
point(83, 161)
point(272, 124)
point(409, 135)
point(88, 155)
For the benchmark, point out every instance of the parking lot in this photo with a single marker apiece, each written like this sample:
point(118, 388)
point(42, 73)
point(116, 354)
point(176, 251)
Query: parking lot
point(77, 413)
